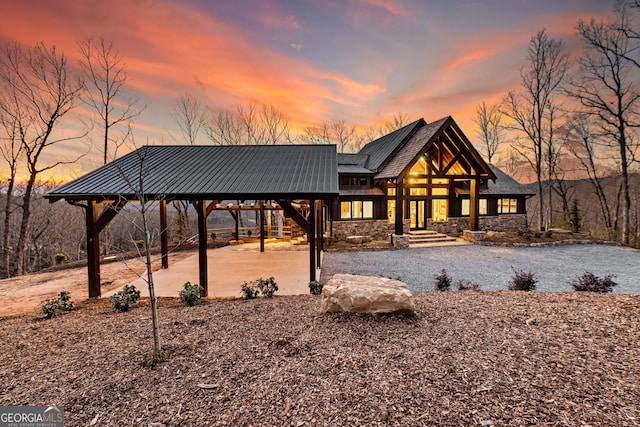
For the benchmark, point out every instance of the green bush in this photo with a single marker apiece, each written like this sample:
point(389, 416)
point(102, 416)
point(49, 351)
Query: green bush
point(60, 258)
point(122, 300)
point(523, 281)
point(267, 287)
point(467, 286)
point(51, 307)
point(140, 244)
point(443, 281)
point(213, 236)
point(589, 282)
point(249, 290)
point(315, 287)
point(190, 294)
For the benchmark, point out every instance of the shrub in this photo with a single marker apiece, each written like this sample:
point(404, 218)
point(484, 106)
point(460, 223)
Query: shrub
point(548, 233)
point(537, 234)
point(523, 281)
point(213, 236)
point(60, 258)
point(140, 244)
point(268, 287)
point(315, 287)
point(51, 307)
point(122, 300)
point(233, 234)
point(521, 232)
point(249, 290)
point(249, 233)
point(190, 294)
point(467, 286)
point(443, 281)
point(589, 282)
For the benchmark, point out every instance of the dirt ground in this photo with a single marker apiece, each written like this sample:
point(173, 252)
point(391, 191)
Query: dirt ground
point(472, 358)
point(24, 294)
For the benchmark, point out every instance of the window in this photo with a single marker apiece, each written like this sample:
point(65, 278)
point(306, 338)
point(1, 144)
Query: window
point(354, 182)
point(507, 205)
point(356, 209)
point(466, 203)
point(391, 211)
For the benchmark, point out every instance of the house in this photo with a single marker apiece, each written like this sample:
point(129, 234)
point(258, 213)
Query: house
point(423, 176)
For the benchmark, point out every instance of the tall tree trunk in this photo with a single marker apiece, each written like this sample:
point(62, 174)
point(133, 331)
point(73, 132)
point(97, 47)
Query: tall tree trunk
point(24, 225)
point(7, 227)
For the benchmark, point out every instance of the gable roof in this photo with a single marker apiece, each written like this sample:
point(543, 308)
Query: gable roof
point(422, 139)
point(215, 172)
point(411, 149)
point(381, 149)
point(349, 163)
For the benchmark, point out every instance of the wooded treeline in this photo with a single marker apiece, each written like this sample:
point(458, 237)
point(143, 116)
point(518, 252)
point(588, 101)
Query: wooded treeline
point(573, 117)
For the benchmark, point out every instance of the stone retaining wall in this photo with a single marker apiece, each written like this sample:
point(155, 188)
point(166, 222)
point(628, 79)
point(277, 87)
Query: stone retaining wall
point(455, 226)
point(378, 229)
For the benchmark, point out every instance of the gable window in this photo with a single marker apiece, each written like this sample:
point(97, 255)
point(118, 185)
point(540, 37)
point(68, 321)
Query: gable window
point(356, 209)
point(466, 203)
point(507, 205)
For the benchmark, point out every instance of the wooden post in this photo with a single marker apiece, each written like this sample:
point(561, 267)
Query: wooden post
point(318, 207)
point(312, 241)
point(93, 249)
point(261, 225)
point(164, 234)
point(474, 205)
point(201, 208)
point(237, 218)
point(399, 229)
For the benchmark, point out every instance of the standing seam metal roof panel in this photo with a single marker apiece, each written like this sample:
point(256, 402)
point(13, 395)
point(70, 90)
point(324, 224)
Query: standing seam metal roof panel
point(194, 171)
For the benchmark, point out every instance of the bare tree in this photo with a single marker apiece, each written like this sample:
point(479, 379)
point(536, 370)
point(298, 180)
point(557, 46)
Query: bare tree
point(276, 126)
point(489, 130)
point(342, 134)
point(606, 87)
point(190, 116)
point(106, 77)
point(37, 92)
point(248, 125)
point(224, 128)
point(532, 110)
point(582, 144)
point(11, 150)
point(396, 122)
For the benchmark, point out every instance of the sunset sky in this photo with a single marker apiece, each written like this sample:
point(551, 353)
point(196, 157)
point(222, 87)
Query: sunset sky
point(358, 60)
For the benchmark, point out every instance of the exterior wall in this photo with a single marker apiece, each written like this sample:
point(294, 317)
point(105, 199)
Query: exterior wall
point(379, 229)
point(455, 226)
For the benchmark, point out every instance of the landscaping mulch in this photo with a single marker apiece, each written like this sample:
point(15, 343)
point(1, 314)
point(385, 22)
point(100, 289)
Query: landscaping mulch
point(472, 358)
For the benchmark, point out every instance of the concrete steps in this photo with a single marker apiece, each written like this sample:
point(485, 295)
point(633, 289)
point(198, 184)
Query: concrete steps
point(424, 238)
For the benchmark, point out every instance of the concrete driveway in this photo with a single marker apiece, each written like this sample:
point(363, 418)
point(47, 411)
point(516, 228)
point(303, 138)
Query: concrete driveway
point(230, 266)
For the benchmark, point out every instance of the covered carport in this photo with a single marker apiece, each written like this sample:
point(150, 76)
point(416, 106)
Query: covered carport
point(205, 176)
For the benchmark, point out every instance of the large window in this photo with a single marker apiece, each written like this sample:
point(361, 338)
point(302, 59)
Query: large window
point(466, 203)
point(356, 209)
point(507, 205)
point(354, 182)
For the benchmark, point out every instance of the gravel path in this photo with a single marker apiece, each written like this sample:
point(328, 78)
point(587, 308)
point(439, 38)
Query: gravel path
point(492, 267)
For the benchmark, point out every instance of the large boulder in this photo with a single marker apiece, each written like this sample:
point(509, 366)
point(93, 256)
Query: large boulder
point(364, 294)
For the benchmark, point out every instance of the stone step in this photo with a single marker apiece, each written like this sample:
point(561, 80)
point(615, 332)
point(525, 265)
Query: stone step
point(418, 238)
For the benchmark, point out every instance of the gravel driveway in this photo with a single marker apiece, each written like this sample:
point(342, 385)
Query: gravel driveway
point(492, 267)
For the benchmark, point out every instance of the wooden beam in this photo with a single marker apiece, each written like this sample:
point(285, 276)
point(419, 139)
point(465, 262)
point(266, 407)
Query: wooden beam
point(93, 248)
point(108, 214)
point(261, 225)
point(295, 215)
point(164, 234)
point(201, 209)
point(312, 240)
point(474, 205)
point(211, 206)
point(399, 226)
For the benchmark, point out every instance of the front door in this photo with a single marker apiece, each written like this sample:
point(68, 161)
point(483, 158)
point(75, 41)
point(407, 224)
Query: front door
point(418, 210)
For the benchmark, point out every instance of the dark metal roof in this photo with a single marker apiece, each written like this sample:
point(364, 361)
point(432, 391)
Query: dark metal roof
point(215, 172)
point(381, 149)
point(374, 191)
point(505, 185)
point(352, 159)
point(353, 169)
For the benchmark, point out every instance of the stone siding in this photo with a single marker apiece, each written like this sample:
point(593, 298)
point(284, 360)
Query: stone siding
point(456, 225)
point(378, 229)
